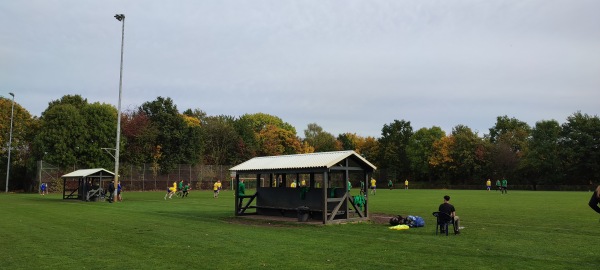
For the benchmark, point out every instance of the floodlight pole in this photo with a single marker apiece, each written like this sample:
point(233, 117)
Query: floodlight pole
point(121, 18)
point(12, 112)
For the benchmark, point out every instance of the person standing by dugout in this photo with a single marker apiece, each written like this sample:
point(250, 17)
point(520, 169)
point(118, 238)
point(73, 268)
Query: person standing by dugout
point(241, 194)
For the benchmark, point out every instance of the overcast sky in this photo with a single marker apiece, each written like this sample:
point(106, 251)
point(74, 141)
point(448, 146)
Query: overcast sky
point(349, 66)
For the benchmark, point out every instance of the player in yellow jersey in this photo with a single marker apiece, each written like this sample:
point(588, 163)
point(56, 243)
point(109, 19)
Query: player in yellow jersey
point(373, 186)
point(171, 191)
point(216, 189)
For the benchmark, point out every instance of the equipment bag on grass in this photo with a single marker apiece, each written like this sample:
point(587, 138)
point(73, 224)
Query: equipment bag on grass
point(397, 220)
point(415, 221)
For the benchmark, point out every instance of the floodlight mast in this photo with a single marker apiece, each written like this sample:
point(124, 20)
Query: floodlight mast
point(12, 113)
point(121, 18)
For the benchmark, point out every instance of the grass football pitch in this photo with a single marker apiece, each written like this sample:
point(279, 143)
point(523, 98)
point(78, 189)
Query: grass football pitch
point(520, 230)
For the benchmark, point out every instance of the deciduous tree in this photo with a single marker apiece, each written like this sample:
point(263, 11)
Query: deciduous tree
point(24, 128)
point(321, 140)
point(221, 139)
point(542, 163)
point(580, 147)
point(420, 150)
point(392, 148)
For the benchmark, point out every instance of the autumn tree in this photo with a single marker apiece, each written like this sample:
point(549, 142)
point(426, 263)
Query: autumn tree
point(442, 160)
point(221, 140)
point(139, 136)
point(420, 150)
point(369, 149)
point(278, 141)
point(321, 140)
point(260, 121)
point(180, 142)
point(260, 132)
point(24, 128)
point(350, 141)
point(468, 152)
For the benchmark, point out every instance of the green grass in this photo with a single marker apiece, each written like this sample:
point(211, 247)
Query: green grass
point(521, 230)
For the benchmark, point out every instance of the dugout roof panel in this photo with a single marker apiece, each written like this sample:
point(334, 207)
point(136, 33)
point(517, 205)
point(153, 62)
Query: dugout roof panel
point(88, 173)
point(300, 161)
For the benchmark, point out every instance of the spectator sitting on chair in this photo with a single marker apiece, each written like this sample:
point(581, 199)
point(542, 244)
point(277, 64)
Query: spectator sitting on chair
point(448, 208)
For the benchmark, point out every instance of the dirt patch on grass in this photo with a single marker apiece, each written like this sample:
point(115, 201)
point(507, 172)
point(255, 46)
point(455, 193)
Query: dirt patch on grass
point(380, 218)
point(270, 221)
point(276, 221)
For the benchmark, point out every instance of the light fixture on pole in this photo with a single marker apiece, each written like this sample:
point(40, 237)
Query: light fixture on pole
point(12, 111)
point(121, 18)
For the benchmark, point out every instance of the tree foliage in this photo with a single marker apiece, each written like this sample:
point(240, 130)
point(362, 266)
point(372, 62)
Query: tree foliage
point(441, 159)
point(221, 139)
point(72, 132)
point(179, 141)
point(542, 163)
point(24, 129)
point(580, 147)
point(420, 151)
point(140, 137)
point(509, 138)
point(322, 141)
point(278, 141)
point(467, 153)
point(394, 140)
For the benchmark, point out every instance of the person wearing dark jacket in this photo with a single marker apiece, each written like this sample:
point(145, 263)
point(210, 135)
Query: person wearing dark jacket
point(111, 191)
point(595, 200)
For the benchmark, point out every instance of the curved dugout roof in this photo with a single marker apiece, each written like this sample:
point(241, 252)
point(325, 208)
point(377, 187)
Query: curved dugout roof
point(299, 161)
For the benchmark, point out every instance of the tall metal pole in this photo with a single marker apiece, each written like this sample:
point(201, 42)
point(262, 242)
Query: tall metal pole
point(12, 111)
point(121, 18)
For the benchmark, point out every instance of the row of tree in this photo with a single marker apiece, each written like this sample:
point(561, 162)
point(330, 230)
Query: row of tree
point(73, 133)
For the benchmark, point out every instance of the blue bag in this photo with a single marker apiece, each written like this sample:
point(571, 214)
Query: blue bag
point(415, 221)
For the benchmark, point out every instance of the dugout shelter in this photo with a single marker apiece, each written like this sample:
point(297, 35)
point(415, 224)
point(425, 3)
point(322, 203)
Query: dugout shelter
point(323, 186)
point(86, 184)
